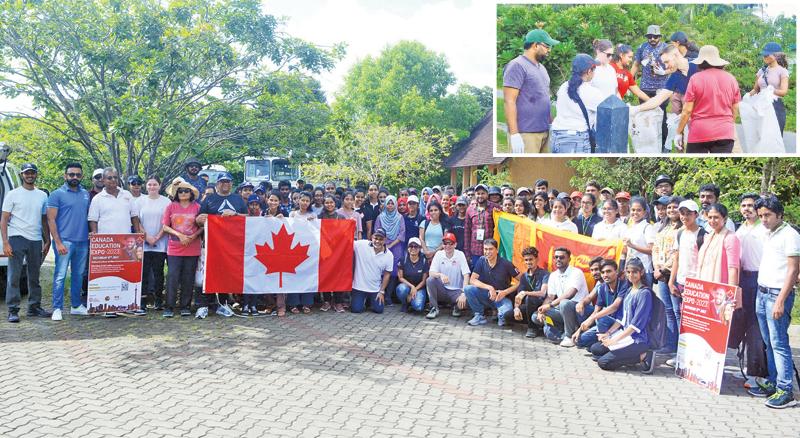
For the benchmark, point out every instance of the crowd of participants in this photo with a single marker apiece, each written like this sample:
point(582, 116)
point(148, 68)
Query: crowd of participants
point(426, 250)
point(691, 80)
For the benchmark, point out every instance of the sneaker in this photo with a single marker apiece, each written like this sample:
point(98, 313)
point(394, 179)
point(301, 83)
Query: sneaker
point(671, 362)
point(780, 400)
point(225, 311)
point(56, 315)
point(168, 314)
point(766, 389)
point(339, 308)
point(37, 310)
point(567, 342)
point(477, 320)
point(80, 310)
point(456, 312)
point(325, 306)
point(13, 316)
point(139, 312)
point(531, 333)
point(246, 310)
point(501, 322)
point(202, 313)
point(186, 312)
point(433, 313)
point(110, 315)
point(649, 363)
point(752, 382)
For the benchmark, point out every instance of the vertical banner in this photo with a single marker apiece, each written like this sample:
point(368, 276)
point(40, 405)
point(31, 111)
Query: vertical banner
point(115, 272)
point(705, 325)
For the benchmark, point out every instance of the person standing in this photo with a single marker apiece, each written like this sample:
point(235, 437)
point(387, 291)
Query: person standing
point(479, 224)
point(663, 255)
point(526, 95)
point(373, 266)
point(67, 209)
point(457, 221)
point(622, 59)
point(97, 183)
point(605, 76)
point(675, 88)
point(183, 248)
point(587, 217)
point(654, 74)
point(191, 175)
point(151, 212)
point(640, 237)
point(576, 109)
point(26, 239)
point(712, 102)
point(775, 73)
point(777, 276)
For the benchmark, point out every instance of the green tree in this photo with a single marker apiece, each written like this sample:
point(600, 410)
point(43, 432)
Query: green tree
point(141, 84)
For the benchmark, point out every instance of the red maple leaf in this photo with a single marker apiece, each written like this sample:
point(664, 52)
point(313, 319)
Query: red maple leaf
point(282, 257)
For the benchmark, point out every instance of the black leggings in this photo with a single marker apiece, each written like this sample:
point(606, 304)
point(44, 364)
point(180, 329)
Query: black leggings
point(780, 113)
point(711, 147)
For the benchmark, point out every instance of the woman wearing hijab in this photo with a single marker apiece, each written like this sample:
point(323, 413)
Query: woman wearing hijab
point(393, 223)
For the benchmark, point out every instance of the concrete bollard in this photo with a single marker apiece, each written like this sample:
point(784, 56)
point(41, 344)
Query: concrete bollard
point(612, 126)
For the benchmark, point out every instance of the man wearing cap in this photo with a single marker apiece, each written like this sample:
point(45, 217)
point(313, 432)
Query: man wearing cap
point(373, 266)
point(223, 203)
point(663, 186)
point(191, 173)
point(245, 189)
point(67, 210)
point(654, 74)
point(458, 220)
point(712, 102)
point(412, 272)
point(479, 224)
point(97, 183)
point(606, 193)
point(448, 274)
point(624, 202)
point(526, 95)
point(26, 239)
point(135, 186)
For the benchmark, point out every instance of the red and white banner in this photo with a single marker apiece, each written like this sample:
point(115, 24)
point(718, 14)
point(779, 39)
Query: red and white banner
point(258, 255)
point(115, 272)
point(705, 325)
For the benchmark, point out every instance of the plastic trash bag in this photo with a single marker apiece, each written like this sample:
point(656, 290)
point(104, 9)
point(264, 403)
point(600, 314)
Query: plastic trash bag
point(645, 130)
point(200, 273)
point(672, 128)
point(762, 134)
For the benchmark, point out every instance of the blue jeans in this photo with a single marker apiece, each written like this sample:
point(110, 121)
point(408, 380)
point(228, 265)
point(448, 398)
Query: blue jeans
point(478, 300)
point(570, 142)
point(294, 300)
point(776, 335)
point(418, 303)
point(589, 337)
point(672, 308)
point(566, 320)
point(77, 256)
point(359, 300)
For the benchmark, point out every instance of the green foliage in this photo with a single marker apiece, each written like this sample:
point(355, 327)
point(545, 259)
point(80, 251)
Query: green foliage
point(738, 33)
point(493, 179)
point(734, 176)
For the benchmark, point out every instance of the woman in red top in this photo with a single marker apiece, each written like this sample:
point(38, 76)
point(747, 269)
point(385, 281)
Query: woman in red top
point(623, 56)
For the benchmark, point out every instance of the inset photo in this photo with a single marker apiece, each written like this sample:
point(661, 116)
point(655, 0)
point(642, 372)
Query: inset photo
point(645, 79)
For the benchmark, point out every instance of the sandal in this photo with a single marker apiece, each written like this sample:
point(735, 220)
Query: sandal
point(306, 310)
point(325, 306)
point(295, 310)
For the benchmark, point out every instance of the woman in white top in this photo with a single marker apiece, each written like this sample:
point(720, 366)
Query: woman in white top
point(605, 77)
point(558, 216)
point(151, 210)
point(640, 237)
point(541, 207)
point(612, 226)
point(570, 133)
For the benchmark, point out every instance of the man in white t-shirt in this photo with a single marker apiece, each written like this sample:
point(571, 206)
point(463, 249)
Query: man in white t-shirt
point(448, 272)
point(566, 287)
point(373, 265)
point(709, 195)
point(777, 275)
point(26, 238)
point(112, 211)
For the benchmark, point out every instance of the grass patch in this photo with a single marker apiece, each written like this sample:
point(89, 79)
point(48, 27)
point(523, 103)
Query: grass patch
point(501, 110)
point(502, 142)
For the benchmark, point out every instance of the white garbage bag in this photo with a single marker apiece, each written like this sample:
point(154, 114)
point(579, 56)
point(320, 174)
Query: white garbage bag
point(762, 134)
point(672, 128)
point(200, 273)
point(645, 130)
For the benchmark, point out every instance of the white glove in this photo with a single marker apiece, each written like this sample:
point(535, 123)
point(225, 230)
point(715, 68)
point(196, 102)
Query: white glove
point(678, 141)
point(658, 70)
point(517, 144)
point(633, 110)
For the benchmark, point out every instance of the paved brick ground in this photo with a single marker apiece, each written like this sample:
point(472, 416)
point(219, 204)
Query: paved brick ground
point(340, 375)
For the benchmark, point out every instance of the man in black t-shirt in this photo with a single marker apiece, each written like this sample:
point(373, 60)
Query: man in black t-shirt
point(531, 291)
point(222, 203)
point(490, 285)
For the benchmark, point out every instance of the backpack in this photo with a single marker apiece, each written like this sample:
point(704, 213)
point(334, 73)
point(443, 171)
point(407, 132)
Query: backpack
point(701, 235)
point(657, 326)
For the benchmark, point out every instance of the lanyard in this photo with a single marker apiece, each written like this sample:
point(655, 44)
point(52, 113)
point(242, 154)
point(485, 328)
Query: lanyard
point(586, 223)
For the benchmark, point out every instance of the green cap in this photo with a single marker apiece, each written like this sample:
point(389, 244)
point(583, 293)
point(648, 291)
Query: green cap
point(539, 36)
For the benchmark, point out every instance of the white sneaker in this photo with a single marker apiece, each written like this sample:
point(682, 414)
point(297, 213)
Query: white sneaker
point(224, 310)
point(201, 313)
point(56, 315)
point(671, 362)
point(80, 310)
point(567, 342)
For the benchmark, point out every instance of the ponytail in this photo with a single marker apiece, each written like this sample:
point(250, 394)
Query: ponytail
point(780, 57)
point(691, 46)
point(620, 50)
point(575, 81)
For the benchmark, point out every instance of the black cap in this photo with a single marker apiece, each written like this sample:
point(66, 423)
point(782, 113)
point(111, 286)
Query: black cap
point(481, 187)
point(135, 179)
point(28, 166)
point(380, 232)
point(192, 160)
point(679, 37)
point(664, 178)
point(494, 190)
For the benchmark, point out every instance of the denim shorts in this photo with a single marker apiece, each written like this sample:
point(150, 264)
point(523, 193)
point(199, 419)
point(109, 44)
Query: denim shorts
point(570, 142)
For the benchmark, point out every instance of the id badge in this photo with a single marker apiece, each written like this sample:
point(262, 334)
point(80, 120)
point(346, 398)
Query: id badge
point(479, 234)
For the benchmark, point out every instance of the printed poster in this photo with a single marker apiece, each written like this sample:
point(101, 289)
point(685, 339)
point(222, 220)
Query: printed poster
point(705, 325)
point(115, 272)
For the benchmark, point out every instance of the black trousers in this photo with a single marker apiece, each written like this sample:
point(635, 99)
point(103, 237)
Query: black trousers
point(531, 305)
point(780, 112)
point(652, 93)
point(153, 275)
point(181, 275)
point(711, 147)
point(612, 360)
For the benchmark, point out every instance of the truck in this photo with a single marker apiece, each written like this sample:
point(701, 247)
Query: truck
point(270, 169)
point(9, 180)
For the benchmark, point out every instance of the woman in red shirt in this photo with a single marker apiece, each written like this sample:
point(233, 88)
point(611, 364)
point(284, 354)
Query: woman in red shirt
point(623, 56)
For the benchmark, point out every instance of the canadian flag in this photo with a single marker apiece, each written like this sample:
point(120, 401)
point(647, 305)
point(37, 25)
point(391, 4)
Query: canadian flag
point(257, 255)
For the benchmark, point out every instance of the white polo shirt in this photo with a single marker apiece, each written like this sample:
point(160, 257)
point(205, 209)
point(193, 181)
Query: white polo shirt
point(455, 268)
point(113, 213)
point(779, 245)
point(560, 282)
point(370, 267)
point(751, 242)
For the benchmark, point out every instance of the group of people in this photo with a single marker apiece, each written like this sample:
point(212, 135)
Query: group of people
point(691, 81)
point(433, 248)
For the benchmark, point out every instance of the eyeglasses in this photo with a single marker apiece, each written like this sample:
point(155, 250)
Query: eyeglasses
point(74, 174)
point(135, 183)
point(546, 46)
point(112, 178)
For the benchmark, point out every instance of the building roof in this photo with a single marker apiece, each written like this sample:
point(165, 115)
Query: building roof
point(478, 148)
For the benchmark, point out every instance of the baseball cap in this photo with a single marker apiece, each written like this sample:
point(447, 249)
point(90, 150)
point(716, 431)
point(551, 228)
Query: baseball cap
point(449, 236)
point(576, 194)
point(689, 205)
point(770, 48)
point(483, 187)
point(624, 195)
point(653, 29)
point(246, 184)
point(582, 62)
point(679, 37)
point(414, 240)
point(97, 172)
point(380, 232)
point(664, 200)
point(413, 198)
point(28, 166)
point(539, 36)
point(135, 179)
point(462, 200)
point(225, 176)
point(608, 190)
point(522, 190)
point(253, 198)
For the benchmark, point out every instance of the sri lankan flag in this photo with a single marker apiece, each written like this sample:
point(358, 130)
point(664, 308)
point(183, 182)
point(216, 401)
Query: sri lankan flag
point(515, 233)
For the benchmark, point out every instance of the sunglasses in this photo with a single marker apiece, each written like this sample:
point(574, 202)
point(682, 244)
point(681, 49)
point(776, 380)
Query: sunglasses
point(413, 246)
point(97, 177)
point(608, 54)
point(653, 37)
point(183, 191)
point(74, 175)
